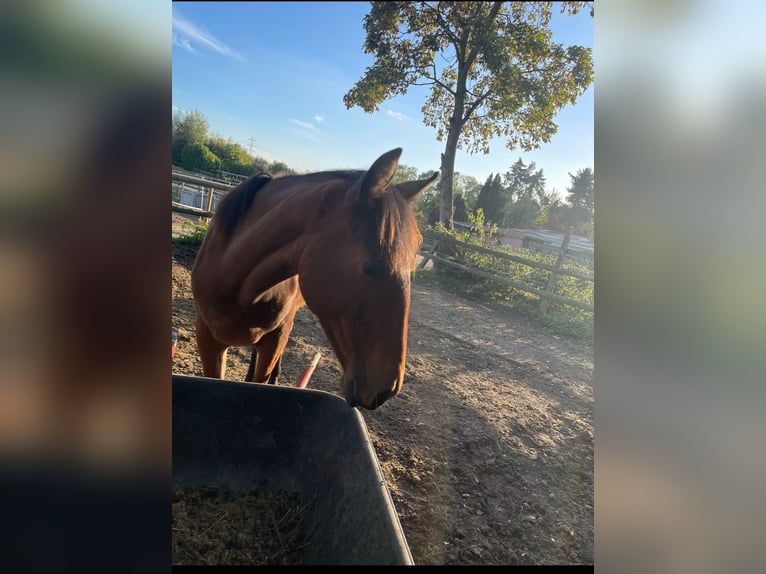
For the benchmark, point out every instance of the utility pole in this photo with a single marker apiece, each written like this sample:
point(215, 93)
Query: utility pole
point(251, 142)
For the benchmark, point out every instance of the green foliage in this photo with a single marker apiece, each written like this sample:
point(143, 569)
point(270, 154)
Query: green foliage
point(523, 182)
point(469, 187)
point(197, 156)
point(526, 190)
point(492, 198)
point(459, 210)
point(550, 206)
point(188, 128)
point(493, 69)
point(578, 214)
point(278, 167)
point(260, 165)
point(234, 157)
point(426, 207)
point(522, 214)
point(191, 129)
point(405, 173)
point(194, 237)
point(581, 190)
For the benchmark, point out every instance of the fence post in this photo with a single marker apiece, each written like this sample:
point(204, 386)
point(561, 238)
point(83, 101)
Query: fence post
point(209, 207)
point(427, 258)
point(554, 275)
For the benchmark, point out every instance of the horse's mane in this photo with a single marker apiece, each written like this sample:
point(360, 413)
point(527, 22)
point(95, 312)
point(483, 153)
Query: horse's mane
point(394, 238)
point(234, 205)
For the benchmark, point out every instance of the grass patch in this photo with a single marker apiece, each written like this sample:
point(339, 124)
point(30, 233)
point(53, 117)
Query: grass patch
point(194, 236)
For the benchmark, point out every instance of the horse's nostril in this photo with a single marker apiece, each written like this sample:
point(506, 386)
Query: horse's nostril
point(383, 397)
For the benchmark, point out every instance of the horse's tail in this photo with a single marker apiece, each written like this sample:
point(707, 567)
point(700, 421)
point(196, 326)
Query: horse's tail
point(238, 201)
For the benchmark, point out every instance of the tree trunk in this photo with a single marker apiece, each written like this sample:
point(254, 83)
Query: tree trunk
point(448, 160)
point(445, 182)
point(456, 121)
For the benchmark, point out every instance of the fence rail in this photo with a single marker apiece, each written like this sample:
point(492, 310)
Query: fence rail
point(205, 186)
point(436, 251)
point(182, 208)
point(201, 182)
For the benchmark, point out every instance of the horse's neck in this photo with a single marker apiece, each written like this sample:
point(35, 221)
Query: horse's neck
point(269, 245)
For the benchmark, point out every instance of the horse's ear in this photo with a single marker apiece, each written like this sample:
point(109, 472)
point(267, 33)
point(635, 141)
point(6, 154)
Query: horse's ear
point(409, 189)
point(381, 173)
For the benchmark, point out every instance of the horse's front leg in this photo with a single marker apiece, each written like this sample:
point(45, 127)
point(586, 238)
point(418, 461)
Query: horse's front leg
point(273, 378)
point(251, 368)
point(270, 349)
point(212, 352)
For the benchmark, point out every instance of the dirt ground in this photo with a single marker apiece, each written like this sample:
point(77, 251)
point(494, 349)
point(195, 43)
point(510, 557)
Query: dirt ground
point(487, 451)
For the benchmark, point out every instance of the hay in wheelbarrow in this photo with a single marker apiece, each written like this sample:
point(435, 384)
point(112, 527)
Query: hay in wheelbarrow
point(215, 525)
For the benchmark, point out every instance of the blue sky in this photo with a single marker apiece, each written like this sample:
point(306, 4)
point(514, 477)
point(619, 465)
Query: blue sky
point(273, 75)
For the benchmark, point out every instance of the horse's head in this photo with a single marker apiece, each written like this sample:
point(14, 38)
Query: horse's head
point(355, 276)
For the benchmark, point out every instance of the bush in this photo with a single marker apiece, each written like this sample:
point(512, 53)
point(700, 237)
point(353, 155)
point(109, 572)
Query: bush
point(197, 156)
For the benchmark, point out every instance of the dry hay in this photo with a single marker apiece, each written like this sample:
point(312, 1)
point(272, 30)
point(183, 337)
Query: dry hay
point(215, 525)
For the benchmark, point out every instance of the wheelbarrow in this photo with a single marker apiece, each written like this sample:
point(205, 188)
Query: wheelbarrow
point(245, 436)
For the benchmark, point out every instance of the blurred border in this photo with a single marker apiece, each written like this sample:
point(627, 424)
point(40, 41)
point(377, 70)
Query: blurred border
point(85, 412)
point(680, 312)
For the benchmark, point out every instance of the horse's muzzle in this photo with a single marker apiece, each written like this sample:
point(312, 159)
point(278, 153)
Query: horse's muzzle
point(355, 397)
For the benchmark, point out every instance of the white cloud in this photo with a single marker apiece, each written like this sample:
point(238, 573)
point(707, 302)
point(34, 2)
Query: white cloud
point(186, 35)
point(305, 125)
point(306, 130)
point(320, 120)
point(184, 43)
point(397, 115)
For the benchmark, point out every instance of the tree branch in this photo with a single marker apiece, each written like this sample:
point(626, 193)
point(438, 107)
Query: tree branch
point(443, 23)
point(438, 82)
point(476, 103)
point(470, 58)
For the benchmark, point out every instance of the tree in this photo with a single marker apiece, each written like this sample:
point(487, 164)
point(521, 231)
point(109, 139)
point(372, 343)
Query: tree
point(260, 165)
point(460, 212)
point(427, 205)
point(498, 74)
point(278, 167)
point(467, 186)
point(579, 213)
point(581, 190)
point(492, 199)
point(547, 219)
point(405, 173)
point(197, 156)
point(188, 128)
point(526, 191)
point(523, 182)
point(522, 214)
point(234, 156)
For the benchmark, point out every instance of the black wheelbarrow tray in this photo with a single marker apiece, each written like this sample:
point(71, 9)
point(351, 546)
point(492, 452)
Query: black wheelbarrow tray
point(244, 436)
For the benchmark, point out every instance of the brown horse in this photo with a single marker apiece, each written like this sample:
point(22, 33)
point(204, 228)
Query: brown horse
point(342, 242)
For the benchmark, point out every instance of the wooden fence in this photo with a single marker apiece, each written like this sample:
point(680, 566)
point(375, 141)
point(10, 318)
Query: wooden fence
point(438, 247)
point(207, 187)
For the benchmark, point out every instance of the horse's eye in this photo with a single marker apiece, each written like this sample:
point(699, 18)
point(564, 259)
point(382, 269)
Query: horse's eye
point(373, 270)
